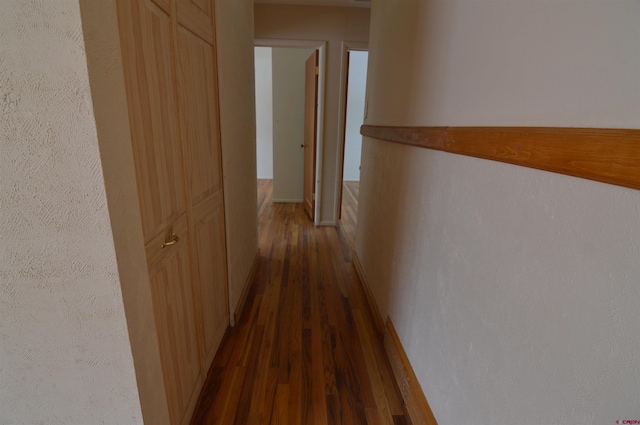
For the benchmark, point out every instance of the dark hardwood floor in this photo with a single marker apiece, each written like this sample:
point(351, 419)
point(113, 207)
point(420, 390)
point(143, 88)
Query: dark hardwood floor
point(349, 212)
point(304, 350)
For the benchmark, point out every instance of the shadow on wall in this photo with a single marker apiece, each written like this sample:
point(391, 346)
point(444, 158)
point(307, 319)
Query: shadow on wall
point(399, 71)
point(390, 245)
point(397, 65)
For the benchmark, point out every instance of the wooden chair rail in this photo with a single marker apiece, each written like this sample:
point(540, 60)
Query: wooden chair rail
point(605, 155)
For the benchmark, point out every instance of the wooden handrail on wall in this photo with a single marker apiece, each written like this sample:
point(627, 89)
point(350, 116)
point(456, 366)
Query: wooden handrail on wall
point(604, 155)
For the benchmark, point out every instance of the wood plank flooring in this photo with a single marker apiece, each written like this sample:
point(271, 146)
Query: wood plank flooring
point(304, 350)
point(349, 213)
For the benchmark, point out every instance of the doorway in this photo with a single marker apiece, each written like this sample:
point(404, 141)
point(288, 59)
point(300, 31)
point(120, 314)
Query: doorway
point(281, 142)
point(356, 81)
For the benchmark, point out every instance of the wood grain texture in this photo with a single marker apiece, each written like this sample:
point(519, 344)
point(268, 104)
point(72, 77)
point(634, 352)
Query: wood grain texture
point(200, 139)
point(200, 135)
point(209, 259)
point(145, 32)
point(304, 350)
point(349, 215)
point(605, 155)
point(426, 137)
point(416, 403)
point(197, 15)
point(169, 59)
point(169, 274)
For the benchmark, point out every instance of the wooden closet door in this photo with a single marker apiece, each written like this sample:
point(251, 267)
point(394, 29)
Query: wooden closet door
point(174, 311)
point(198, 96)
point(148, 43)
point(150, 78)
point(209, 240)
point(197, 16)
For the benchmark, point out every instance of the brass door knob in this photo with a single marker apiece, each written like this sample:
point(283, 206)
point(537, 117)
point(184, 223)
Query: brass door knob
point(174, 240)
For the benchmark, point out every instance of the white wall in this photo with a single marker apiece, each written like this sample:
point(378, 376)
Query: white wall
point(236, 76)
point(513, 290)
point(333, 25)
point(288, 123)
point(264, 113)
point(502, 62)
point(357, 83)
point(65, 356)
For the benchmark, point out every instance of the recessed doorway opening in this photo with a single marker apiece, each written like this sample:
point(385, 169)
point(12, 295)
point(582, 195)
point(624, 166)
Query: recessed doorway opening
point(354, 114)
point(288, 87)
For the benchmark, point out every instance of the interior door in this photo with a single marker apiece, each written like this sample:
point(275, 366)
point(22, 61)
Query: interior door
point(145, 31)
point(310, 127)
point(197, 91)
point(170, 74)
point(147, 45)
point(168, 260)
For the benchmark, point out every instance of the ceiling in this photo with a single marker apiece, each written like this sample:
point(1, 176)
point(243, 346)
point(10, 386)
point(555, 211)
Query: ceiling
point(348, 3)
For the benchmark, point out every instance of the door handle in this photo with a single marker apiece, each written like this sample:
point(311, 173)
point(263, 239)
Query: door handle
point(174, 240)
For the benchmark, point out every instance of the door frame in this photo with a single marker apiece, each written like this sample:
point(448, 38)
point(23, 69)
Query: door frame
point(310, 123)
point(321, 47)
point(342, 118)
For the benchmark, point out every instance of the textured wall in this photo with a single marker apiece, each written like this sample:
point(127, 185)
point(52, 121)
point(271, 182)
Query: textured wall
point(503, 62)
point(514, 291)
point(334, 25)
point(236, 75)
point(64, 347)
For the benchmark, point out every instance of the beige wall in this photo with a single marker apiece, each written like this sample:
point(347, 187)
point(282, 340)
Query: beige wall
point(513, 290)
point(288, 123)
point(234, 32)
point(64, 347)
point(333, 25)
point(264, 112)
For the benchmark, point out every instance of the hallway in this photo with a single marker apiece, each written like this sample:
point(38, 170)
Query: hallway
point(304, 350)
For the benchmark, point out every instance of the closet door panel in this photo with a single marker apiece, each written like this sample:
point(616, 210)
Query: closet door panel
point(163, 4)
point(170, 275)
point(197, 15)
point(200, 135)
point(149, 75)
point(209, 238)
point(170, 75)
point(199, 115)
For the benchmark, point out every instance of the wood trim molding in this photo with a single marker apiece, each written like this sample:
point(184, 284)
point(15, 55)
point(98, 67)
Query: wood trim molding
point(247, 288)
point(373, 305)
point(424, 137)
point(414, 399)
point(605, 155)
